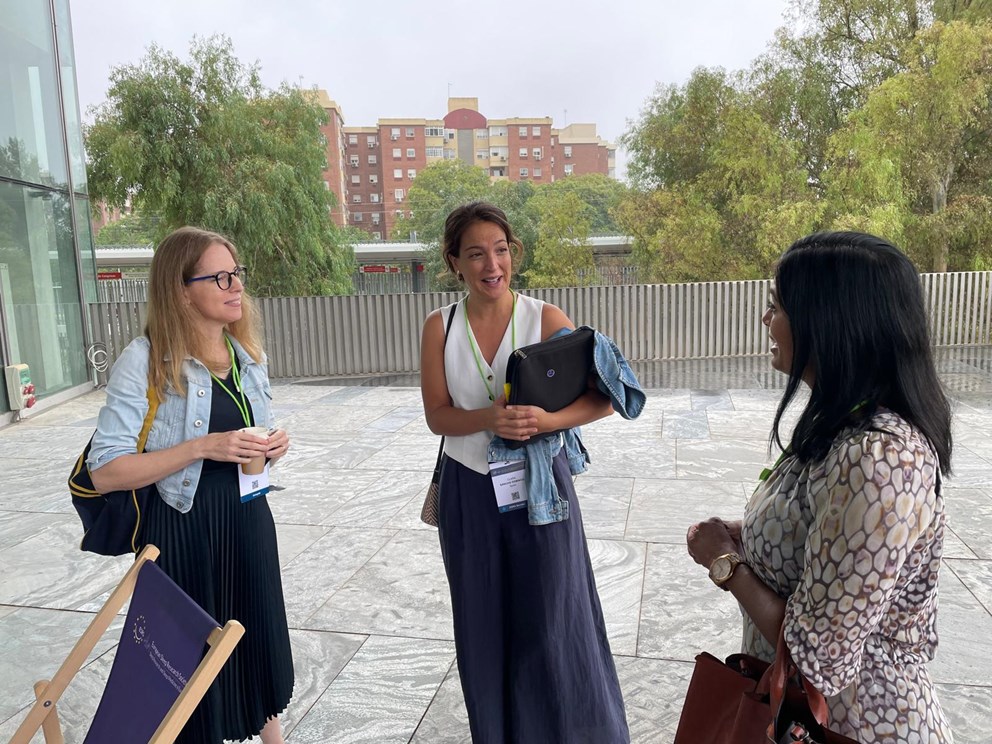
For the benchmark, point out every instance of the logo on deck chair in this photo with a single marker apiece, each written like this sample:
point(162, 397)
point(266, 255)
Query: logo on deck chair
point(139, 630)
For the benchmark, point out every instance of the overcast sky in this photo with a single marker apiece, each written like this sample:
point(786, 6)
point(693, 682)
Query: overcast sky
point(599, 61)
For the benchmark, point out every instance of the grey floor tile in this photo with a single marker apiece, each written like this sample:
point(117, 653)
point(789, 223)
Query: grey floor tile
point(313, 492)
point(35, 643)
point(619, 571)
point(446, 720)
point(35, 442)
point(653, 691)
point(683, 612)
point(728, 459)
point(965, 630)
point(380, 696)
point(48, 570)
point(604, 503)
point(712, 400)
point(688, 425)
point(976, 577)
point(312, 578)
point(402, 590)
point(663, 510)
point(616, 457)
point(294, 539)
point(969, 711)
point(969, 514)
point(379, 502)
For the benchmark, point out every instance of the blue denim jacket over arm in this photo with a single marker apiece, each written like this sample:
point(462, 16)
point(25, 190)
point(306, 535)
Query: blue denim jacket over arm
point(177, 419)
point(615, 379)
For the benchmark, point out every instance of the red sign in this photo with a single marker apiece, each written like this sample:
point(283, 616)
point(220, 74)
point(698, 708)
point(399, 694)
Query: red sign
point(108, 275)
point(374, 269)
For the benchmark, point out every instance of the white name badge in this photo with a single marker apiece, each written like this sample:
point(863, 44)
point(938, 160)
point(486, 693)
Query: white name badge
point(253, 486)
point(510, 483)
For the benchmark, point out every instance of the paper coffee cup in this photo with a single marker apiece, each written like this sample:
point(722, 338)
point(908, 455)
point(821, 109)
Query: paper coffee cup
point(257, 464)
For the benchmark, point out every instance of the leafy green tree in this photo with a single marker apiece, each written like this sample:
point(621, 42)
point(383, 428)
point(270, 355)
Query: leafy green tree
point(921, 143)
point(137, 228)
point(562, 256)
point(437, 189)
point(201, 142)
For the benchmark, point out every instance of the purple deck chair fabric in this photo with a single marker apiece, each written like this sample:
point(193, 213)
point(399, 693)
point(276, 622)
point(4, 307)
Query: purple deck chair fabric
point(163, 641)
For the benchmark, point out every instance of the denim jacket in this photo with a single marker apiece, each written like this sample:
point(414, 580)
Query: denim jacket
point(544, 504)
point(177, 419)
point(615, 379)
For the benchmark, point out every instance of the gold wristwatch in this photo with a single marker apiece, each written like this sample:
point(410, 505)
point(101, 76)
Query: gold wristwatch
point(723, 567)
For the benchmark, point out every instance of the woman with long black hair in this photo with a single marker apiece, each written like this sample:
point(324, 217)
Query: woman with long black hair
point(840, 545)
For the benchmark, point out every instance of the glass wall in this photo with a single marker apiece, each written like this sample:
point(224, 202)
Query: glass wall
point(44, 227)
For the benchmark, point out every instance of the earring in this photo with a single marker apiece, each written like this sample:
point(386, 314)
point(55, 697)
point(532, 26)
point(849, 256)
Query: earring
point(461, 278)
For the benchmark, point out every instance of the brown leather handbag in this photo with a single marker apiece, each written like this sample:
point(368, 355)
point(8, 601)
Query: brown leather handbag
point(747, 701)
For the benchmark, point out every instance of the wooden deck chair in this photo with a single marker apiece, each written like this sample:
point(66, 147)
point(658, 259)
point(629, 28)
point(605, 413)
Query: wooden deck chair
point(160, 672)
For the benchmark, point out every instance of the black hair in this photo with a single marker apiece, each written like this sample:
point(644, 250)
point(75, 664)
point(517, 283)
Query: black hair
point(859, 323)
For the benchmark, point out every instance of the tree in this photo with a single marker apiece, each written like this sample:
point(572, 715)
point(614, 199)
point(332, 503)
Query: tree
point(920, 134)
point(202, 143)
point(562, 255)
point(137, 228)
point(438, 189)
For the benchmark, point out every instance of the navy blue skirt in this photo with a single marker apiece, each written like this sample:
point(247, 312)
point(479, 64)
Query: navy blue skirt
point(533, 656)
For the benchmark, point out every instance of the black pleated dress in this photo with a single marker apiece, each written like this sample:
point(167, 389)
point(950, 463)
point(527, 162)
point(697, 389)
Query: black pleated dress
point(224, 555)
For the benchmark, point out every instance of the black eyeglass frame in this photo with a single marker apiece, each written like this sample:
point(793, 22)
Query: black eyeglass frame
point(239, 271)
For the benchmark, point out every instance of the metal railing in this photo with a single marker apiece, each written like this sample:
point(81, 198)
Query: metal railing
point(374, 334)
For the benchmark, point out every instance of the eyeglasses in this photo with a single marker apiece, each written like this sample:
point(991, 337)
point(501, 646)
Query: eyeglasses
point(224, 278)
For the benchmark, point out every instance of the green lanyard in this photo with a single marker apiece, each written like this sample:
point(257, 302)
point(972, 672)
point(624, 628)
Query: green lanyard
point(475, 352)
point(236, 376)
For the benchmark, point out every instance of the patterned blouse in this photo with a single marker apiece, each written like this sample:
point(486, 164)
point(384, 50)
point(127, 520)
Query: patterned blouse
point(854, 543)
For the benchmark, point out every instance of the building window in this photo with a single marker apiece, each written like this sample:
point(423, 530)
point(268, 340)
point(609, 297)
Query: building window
point(537, 173)
point(357, 198)
point(327, 185)
point(394, 133)
point(373, 178)
point(499, 152)
point(482, 134)
point(356, 179)
point(374, 198)
point(411, 173)
point(352, 139)
point(375, 218)
point(497, 131)
point(523, 173)
point(411, 153)
point(373, 159)
point(398, 194)
point(357, 216)
point(537, 153)
point(373, 143)
point(399, 212)
point(522, 131)
point(568, 169)
point(435, 152)
point(377, 236)
point(397, 153)
point(523, 152)
point(450, 155)
point(434, 131)
point(398, 174)
point(449, 134)
point(536, 131)
point(568, 151)
point(481, 154)
point(354, 161)
point(409, 132)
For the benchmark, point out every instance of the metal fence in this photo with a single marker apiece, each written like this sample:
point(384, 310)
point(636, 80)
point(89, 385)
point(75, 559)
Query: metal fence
point(373, 334)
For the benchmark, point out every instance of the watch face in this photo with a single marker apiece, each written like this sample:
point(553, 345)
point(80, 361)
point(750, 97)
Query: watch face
point(720, 570)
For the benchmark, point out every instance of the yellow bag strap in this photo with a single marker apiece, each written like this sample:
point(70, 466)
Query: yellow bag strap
point(146, 425)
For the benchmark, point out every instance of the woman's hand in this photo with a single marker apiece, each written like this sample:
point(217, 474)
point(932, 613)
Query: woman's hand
point(709, 540)
point(278, 444)
point(232, 446)
point(516, 422)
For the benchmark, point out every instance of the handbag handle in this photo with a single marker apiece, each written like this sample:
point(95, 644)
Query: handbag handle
point(776, 678)
point(447, 328)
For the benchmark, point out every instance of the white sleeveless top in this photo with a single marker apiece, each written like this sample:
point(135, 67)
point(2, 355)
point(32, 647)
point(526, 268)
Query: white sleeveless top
point(466, 387)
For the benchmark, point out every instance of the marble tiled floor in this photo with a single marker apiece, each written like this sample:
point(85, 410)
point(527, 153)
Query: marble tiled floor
point(366, 595)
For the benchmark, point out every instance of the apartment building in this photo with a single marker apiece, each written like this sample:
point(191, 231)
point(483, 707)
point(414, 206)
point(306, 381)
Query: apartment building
point(370, 168)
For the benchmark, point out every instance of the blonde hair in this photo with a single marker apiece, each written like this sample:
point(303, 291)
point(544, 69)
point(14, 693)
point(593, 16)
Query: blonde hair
point(172, 328)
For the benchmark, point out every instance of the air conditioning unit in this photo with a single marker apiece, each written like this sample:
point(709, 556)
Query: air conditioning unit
point(394, 137)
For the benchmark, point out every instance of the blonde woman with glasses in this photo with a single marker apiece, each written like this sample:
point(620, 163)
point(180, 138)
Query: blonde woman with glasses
point(202, 357)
